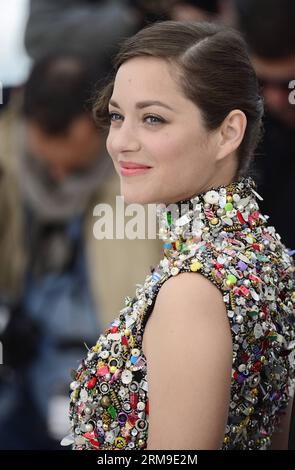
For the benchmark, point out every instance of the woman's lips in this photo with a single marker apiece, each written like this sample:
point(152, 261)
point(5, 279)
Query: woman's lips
point(133, 168)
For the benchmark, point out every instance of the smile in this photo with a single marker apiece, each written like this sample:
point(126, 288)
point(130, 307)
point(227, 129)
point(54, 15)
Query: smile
point(132, 168)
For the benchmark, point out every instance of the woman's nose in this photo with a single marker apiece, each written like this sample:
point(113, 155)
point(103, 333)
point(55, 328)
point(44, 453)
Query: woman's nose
point(124, 139)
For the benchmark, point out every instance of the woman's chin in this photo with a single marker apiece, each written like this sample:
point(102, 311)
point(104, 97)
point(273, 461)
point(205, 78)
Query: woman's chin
point(134, 198)
point(134, 194)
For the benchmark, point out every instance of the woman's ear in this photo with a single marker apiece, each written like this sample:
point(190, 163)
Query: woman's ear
point(231, 133)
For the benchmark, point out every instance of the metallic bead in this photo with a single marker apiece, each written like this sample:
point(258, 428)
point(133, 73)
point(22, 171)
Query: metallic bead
point(254, 380)
point(141, 425)
point(105, 401)
point(265, 420)
point(126, 376)
point(211, 197)
point(174, 271)
point(120, 442)
point(75, 385)
point(104, 387)
point(140, 406)
point(239, 319)
point(214, 221)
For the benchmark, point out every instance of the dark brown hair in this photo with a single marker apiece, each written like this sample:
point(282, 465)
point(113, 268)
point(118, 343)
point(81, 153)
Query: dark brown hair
point(213, 69)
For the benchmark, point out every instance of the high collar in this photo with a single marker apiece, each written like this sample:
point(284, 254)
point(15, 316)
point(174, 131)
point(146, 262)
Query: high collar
point(226, 208)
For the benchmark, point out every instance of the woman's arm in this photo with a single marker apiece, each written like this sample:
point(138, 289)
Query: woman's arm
point(188, 346)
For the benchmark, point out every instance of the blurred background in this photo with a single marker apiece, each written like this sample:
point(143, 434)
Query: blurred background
point(59, 287)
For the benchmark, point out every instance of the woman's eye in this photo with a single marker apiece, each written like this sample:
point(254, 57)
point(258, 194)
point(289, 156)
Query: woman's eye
point(113, 114)
point(157, 119)
point(154, 119)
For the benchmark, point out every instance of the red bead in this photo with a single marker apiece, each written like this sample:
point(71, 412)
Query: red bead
point(256, 246)
point(264, 345)
point(255, 215)
point(257, 366)
point(240, 218)
point(124, 341)
point(245, 357)
point(244, 290)
point(91, 383)
point(91, 437)
point(132, 418)
point(265, 311)
point(254, 278)
point(94, 443)
point(133, 400)
point(102, 371)
point(218, 265)
point(114, 329)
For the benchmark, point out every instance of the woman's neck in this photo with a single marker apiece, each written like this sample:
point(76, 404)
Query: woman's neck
point(226, 208)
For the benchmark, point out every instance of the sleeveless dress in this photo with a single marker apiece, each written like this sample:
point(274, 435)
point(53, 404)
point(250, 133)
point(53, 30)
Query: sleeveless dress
point(222, 235)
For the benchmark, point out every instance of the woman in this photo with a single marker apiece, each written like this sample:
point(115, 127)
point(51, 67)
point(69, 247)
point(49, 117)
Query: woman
point(203, 356)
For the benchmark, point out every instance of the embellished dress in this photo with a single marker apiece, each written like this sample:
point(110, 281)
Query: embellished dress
point(222, 235)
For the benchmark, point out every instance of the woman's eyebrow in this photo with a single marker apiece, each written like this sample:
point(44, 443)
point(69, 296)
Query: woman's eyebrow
point(144, 104)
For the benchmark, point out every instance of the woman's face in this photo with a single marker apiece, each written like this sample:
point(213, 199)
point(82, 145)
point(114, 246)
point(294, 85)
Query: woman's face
point(161, 151)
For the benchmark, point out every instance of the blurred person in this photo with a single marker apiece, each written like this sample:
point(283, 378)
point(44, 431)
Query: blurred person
point(106, 22)
point(12, 257)
point(194, 10)
point(60, 131)
point(150, 11)
point(90, 27)
point(18, 333)
point(67, 163)
point(272, 44)
point(268, 27)
point(62, 174)
point(56, 294)
point(179, 10)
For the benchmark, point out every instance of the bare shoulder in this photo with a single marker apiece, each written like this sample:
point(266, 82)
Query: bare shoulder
point(191, 288)
point(187, 300)
point(188, 345)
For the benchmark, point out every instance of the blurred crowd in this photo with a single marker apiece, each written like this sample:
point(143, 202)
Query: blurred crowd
point(59, 286)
